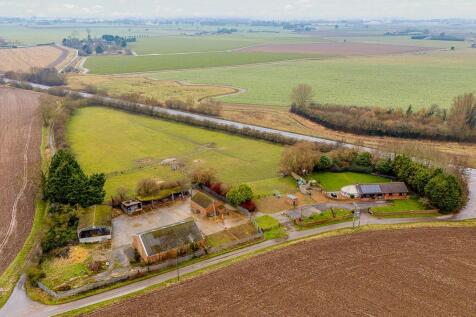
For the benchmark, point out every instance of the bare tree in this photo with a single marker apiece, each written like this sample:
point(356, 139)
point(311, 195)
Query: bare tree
point(302, 95)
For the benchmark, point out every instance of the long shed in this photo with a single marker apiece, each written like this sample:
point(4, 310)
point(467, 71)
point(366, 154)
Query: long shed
point(94, 224)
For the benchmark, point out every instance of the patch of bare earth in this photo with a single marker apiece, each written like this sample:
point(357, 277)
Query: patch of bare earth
point(336, 49)
point(20, 139)
point(282, 119)
point(22, 59)
point(411, 272)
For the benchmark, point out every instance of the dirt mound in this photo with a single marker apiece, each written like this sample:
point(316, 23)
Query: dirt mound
point(412, 272)
point(336, 49)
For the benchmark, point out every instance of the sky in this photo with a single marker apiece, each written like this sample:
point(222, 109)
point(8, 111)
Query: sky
point(262, 9)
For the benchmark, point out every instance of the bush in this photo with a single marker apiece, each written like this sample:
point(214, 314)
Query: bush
point(35, 274)
point(62, 224)
point(249, 205)
point(147, 187)
point(240, 194)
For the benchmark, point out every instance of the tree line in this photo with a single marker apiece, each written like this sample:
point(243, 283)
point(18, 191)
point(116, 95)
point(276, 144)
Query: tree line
point(45, 76)
point(434, 123)
point(442, 189)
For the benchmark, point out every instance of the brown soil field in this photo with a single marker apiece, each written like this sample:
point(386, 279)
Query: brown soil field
point(20, 139)
point(336, 49)
point(282, 119)
point(22, 59)
point(408, 272)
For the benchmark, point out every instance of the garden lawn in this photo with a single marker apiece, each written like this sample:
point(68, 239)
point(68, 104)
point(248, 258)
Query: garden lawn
point(133, 64)
point(130, 147)
point(412, 204)
point(331, 181)
point(387, 81)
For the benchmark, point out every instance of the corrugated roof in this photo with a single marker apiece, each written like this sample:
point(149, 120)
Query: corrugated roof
point(369, 189)
point(170, 237)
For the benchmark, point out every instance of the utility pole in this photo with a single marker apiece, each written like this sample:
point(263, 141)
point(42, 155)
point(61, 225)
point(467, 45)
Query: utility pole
point(356, 216)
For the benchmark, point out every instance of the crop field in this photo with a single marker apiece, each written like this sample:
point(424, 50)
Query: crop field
point(389, 81)
point(130, 147)
point(171, 44)
point(134, 64)
point(20, 139)
point(336, 49)
point(335, 181)
point(22, 59)
point(147, 87)
point(410, 272)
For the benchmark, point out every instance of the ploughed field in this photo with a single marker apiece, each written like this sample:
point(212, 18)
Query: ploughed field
point(411, 272)
point(20, 139)
point(22, 59)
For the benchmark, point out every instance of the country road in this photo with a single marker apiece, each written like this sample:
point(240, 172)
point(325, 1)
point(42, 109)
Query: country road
point(20, 305)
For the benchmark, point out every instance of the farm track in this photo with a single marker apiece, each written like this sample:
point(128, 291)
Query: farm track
point(20, 139)
point(411, 272)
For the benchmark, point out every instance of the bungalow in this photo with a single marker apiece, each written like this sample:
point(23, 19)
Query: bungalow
point(169, 241)
point(94, 224)
point(206, 205)
point(384, 191)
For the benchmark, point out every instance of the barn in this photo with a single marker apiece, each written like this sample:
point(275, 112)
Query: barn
point(170, 241)
point(207, 206)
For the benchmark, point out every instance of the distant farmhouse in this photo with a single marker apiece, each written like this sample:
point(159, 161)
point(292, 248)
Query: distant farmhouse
point(94, 224)
point(207, 206)
point(169, 241)
point(387, 191)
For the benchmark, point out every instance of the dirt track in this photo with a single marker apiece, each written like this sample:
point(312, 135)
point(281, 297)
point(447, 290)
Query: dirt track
point(336, 49)
point(20, 139)
point(413, 272)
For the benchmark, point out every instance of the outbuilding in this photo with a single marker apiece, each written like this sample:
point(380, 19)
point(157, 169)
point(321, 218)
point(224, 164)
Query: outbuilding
point(131, 206)
point(94, 224)
point(383, 191)
point(207, 206)
point(169, 241)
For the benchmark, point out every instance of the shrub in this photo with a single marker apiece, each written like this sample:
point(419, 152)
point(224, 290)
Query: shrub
point(249, 205)
point(240, 194)
point(147, 187)
point(35, 274)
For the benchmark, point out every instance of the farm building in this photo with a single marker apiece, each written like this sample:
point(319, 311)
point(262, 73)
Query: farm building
point(206, 205)
point(94, 224)
point(387, 191)
point(163, 196)
point(169, 241)
point(131, 206)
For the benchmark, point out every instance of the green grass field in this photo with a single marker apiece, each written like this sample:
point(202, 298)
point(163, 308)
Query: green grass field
point(170, 45)
point(335, 181)
point(130, 147)
point(133, 64)
point(417, 79)
point(412, 204)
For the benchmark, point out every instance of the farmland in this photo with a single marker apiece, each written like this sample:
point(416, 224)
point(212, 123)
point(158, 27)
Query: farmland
point(387, 81)
point(20, 138)
point(173, 44)
point(147, 87)
point(22, 59)
point(426, 271)
point(134, 64)
point(130, 147)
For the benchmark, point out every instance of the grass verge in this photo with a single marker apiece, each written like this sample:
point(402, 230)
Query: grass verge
point(340, 232)
point(11, 275)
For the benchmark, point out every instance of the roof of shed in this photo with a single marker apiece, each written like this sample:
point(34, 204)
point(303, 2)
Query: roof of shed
point(202, 199)
point(170, 237)
point(384, 188)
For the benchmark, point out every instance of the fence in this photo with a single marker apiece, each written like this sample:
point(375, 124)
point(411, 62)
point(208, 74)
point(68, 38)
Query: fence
point(128, 275)
point(242, 210)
